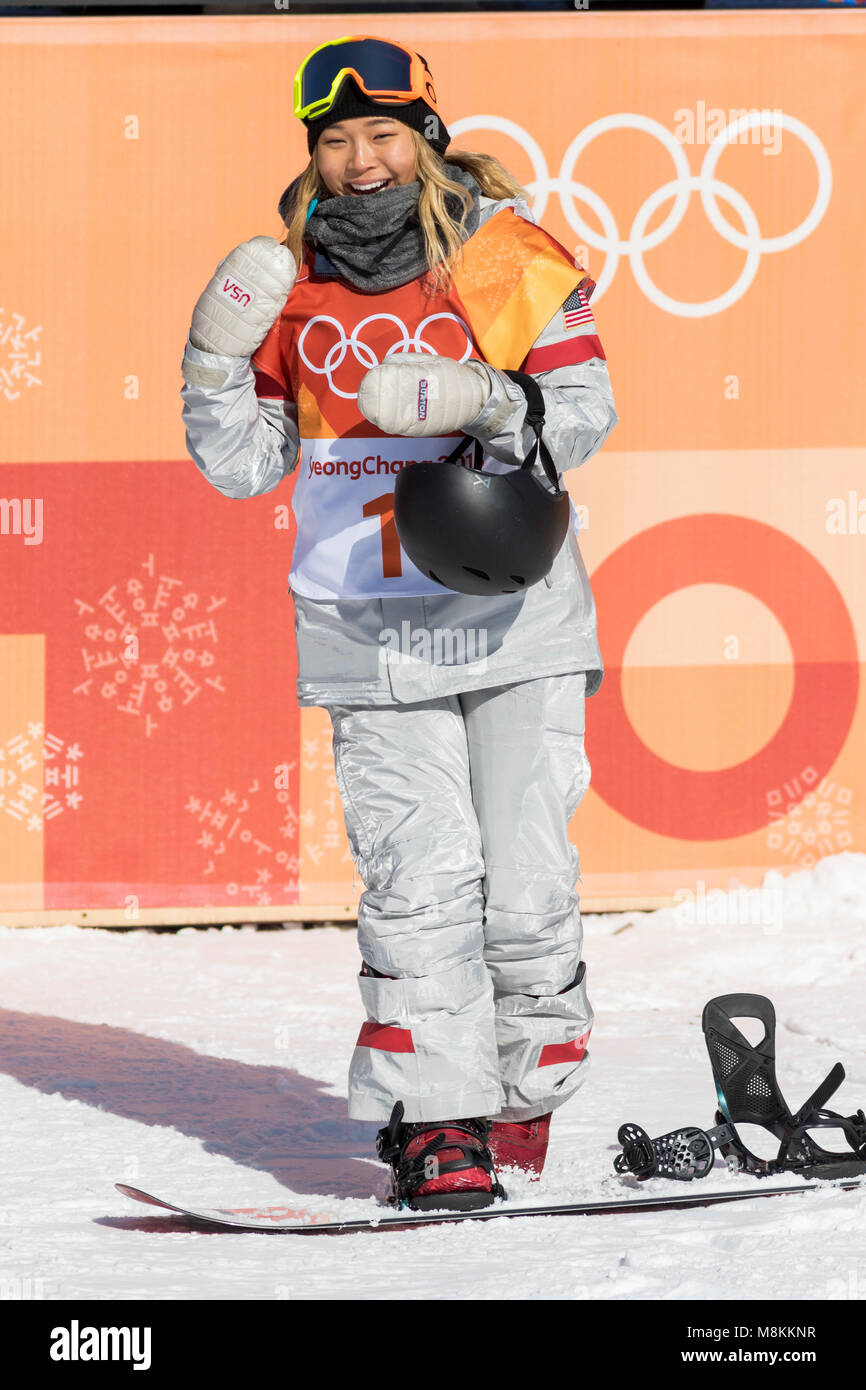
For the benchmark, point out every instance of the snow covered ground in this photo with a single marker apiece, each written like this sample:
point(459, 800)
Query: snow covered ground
point(210, 1066)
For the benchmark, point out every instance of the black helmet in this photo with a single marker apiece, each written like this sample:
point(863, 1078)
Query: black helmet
point(483, 533)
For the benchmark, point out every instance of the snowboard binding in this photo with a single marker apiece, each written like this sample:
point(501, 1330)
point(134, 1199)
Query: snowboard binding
point(438, 1166)
point(683, 1154)
point(748, 1093)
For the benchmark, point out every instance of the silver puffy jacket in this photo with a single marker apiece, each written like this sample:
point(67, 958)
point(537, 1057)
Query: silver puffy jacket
point(245, 446)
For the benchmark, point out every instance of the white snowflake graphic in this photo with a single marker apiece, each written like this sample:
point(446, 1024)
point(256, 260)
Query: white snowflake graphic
point(809, 819)
point(20, 355)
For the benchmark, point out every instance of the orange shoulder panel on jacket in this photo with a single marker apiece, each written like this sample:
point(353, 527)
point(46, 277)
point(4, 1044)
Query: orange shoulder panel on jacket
point(513, 278)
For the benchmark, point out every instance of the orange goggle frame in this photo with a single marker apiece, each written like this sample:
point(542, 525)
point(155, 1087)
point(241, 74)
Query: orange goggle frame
point(385, 71)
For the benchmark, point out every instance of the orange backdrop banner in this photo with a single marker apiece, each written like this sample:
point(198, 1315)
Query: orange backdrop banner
point(706, 169)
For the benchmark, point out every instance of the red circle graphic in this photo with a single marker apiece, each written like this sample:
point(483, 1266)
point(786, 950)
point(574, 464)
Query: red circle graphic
point(716, 548)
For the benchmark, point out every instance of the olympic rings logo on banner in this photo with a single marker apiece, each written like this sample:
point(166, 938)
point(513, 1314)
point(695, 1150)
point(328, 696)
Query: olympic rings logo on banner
point(680, 188)
point(364, 354)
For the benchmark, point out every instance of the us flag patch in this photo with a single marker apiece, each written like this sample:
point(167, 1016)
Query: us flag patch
point(576, 310)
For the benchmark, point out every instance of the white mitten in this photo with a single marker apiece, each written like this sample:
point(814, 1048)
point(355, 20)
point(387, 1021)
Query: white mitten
point(250, 287)
point(415, 394)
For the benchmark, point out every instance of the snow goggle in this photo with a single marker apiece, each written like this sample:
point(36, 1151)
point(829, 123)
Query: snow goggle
point(385, 71)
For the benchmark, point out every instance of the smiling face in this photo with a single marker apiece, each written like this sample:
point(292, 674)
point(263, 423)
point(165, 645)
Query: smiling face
point(365, 152)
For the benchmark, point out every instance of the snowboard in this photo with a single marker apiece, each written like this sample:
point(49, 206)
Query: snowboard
point(300, 1222)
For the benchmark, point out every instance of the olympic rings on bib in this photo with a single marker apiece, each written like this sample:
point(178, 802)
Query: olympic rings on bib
point(363, 353)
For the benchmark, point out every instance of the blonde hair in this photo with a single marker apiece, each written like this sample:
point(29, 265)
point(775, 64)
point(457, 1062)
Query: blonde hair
point(443, 235)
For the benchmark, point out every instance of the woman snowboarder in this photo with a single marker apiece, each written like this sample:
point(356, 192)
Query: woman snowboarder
point(376, 335)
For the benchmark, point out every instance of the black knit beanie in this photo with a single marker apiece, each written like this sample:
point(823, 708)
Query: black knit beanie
point(351, 102)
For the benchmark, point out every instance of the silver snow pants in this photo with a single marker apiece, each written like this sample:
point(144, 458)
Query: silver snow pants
point(457, 812)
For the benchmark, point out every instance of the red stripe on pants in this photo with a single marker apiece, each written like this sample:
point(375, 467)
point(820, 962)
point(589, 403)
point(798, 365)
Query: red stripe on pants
point(563, 1052)
point(385, 1038)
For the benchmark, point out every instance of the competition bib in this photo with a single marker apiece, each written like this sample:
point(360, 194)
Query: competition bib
point(347, 545)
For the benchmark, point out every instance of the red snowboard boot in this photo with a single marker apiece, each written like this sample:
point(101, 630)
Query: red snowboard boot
point(443, 1163)
point(520, 1145)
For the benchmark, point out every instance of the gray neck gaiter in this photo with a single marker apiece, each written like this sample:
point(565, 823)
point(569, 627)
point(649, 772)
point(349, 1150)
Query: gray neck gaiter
point(375, 240)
